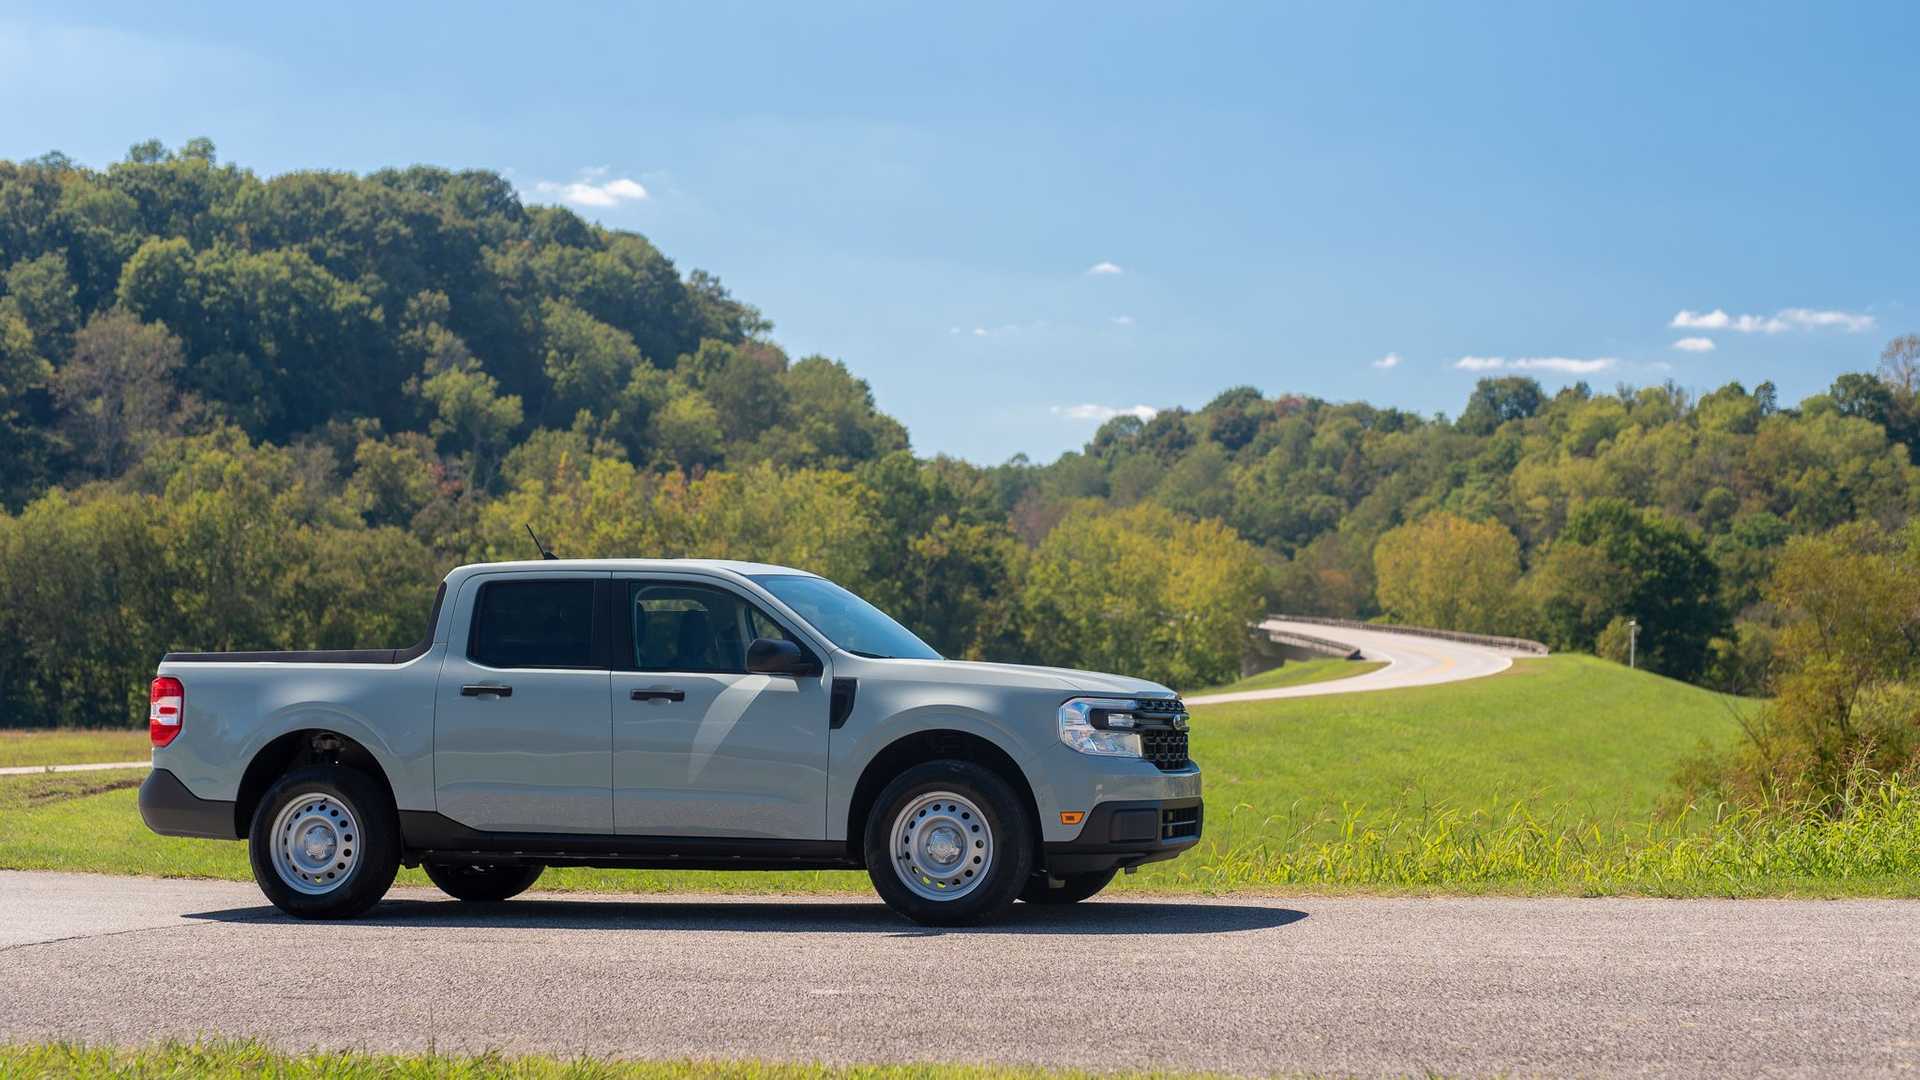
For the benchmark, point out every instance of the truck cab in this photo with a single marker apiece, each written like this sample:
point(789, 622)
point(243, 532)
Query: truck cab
point(691, 714)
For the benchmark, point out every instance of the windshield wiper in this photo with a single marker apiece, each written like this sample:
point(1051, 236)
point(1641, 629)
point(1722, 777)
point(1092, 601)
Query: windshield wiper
point(872, 655)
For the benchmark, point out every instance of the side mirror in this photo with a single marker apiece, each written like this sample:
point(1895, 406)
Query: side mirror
point(771, 656)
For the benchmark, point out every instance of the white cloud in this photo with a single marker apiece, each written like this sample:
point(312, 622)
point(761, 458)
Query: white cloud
point(1123, 320)
point(1388, 362)
point(1694, 344)
point(593, 190)
point(1780, 322)
point(1103, 413)
point(980, 331)
point(1565, 365)
point(1104, 267)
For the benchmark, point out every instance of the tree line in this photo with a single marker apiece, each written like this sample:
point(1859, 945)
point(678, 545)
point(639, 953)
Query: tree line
point(248, 413)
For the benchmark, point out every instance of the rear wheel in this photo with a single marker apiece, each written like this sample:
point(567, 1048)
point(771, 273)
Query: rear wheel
point(483, 884)
point(949, 843)
point(325, 843)
point(1072, 889)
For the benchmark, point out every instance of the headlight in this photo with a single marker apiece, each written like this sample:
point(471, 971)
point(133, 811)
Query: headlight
point(1097, 726)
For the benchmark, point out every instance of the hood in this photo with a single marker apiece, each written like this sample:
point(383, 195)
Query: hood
point(981, 673)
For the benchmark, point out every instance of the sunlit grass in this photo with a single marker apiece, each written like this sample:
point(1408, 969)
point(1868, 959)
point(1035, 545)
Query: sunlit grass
point(1544, 779)
point(234, 1060)
point(72, 747)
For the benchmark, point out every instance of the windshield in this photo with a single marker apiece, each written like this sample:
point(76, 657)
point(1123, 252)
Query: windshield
point(848, 621)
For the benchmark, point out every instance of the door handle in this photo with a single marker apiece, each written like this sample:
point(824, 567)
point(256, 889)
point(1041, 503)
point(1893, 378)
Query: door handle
point(658, 695)
point(477, 689)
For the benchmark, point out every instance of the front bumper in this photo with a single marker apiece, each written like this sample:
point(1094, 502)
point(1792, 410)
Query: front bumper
point(170, 809)
point(1126, 833)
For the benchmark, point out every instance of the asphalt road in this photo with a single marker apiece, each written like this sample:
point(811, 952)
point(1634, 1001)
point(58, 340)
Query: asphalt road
point(1412, 660)
point(1350, 986)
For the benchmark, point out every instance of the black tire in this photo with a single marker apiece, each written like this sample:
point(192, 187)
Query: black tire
point(483, 884)
point(1011, 853)
point(372, 844)
point(1077, 887)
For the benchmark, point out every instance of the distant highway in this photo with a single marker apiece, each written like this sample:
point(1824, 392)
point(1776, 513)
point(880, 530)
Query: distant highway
point(1412, 660)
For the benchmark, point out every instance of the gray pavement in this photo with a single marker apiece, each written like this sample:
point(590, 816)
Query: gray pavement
point(1348, 986)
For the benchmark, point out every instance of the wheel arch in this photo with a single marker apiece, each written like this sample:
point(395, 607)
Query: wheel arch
point(296, 749)
point(934, 744)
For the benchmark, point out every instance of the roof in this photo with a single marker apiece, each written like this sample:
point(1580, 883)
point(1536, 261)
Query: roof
point(637, 566)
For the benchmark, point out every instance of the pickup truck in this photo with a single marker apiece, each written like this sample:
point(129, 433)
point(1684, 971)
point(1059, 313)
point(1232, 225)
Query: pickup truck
point(649, 714)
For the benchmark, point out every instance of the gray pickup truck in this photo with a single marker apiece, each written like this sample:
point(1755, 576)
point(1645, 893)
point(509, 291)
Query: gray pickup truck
point(653, 714)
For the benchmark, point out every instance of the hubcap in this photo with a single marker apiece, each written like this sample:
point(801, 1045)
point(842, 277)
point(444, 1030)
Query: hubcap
point(942, 846)
point(315, 844)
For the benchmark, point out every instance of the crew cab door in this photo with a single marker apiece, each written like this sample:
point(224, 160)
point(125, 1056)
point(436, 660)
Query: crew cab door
point(521, 727)
point(701, 747)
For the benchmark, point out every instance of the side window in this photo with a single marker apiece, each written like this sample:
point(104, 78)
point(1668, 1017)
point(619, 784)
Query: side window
point(527, 624)
point(695, 628)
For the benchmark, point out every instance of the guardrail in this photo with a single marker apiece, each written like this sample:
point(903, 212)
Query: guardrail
point(1525, 645)
point(1324, 646)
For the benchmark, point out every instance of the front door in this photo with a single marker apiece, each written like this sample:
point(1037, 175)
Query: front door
point(522, 730)
point(701, 747)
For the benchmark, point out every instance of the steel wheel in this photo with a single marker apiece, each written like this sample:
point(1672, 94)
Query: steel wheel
point(942, 846)
point(315, 843)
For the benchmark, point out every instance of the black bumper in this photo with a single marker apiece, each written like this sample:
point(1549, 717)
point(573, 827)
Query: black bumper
point(1123, 834)
point(170, 809)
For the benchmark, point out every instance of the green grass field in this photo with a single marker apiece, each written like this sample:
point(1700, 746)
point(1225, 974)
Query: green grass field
point(234, 1060)
point(1297, 673)
point(1545, 778)
point(72, 747)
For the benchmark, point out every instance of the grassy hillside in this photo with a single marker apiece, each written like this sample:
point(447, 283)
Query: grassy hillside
point(67, 747)
point(1564, 731)
point(1543, 778)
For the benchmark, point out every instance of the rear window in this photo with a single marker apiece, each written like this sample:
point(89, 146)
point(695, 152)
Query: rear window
point(527, 624)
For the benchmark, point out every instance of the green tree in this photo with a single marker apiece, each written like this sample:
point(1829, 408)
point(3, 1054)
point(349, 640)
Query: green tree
point(1447, 572)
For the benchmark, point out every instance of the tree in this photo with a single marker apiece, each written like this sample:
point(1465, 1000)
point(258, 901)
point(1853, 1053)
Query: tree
point(1447, 572)
point(1615, 560)
point(117, 391)
point(472, 416)
point(1497, 401)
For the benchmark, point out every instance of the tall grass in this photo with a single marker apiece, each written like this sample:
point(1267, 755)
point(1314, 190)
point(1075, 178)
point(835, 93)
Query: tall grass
point(1869, 834)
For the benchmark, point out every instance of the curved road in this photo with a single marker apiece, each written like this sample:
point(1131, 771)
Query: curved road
point(1347, 985)
point(1412, 660)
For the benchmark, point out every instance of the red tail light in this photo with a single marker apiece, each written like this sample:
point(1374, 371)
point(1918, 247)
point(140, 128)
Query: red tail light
point(167, 702)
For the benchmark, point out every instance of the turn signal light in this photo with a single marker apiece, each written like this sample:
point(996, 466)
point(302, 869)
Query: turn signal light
point(1072, 817)
point(166, 701)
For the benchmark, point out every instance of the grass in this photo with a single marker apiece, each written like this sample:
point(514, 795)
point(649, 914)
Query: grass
point(235, 1060)
point(72, 747)
point(1297, 673)
point(1543, 779)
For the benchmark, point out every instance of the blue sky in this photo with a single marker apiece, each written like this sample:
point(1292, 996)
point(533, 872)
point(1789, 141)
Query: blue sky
point(1014, 220)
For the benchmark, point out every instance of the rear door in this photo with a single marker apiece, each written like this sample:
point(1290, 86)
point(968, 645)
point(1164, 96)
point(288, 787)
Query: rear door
point(522, 729)
point(700, 747)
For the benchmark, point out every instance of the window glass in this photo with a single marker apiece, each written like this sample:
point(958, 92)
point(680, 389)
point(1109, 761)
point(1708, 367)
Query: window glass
point(523, 624)
point(689, 628)
point(846, 620)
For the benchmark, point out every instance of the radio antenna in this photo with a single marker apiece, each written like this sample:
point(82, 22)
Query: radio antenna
point(545, 553)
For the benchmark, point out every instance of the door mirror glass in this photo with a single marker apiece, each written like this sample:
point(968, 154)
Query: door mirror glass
point(772, 656)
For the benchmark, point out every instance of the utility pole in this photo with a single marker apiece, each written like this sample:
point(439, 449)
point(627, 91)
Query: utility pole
point(1633, 642)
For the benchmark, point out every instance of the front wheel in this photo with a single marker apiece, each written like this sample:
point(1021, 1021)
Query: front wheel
point(325, 843)
point(483, 884)
point(1072, 889)
point(949, 843)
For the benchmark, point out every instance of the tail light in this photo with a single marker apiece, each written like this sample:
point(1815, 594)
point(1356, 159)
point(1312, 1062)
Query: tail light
point(167, 701)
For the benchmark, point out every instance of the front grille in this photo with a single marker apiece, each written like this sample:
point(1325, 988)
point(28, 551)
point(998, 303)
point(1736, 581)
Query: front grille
point(1166, 749)
point(1159, 706)
point(1180, 823)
